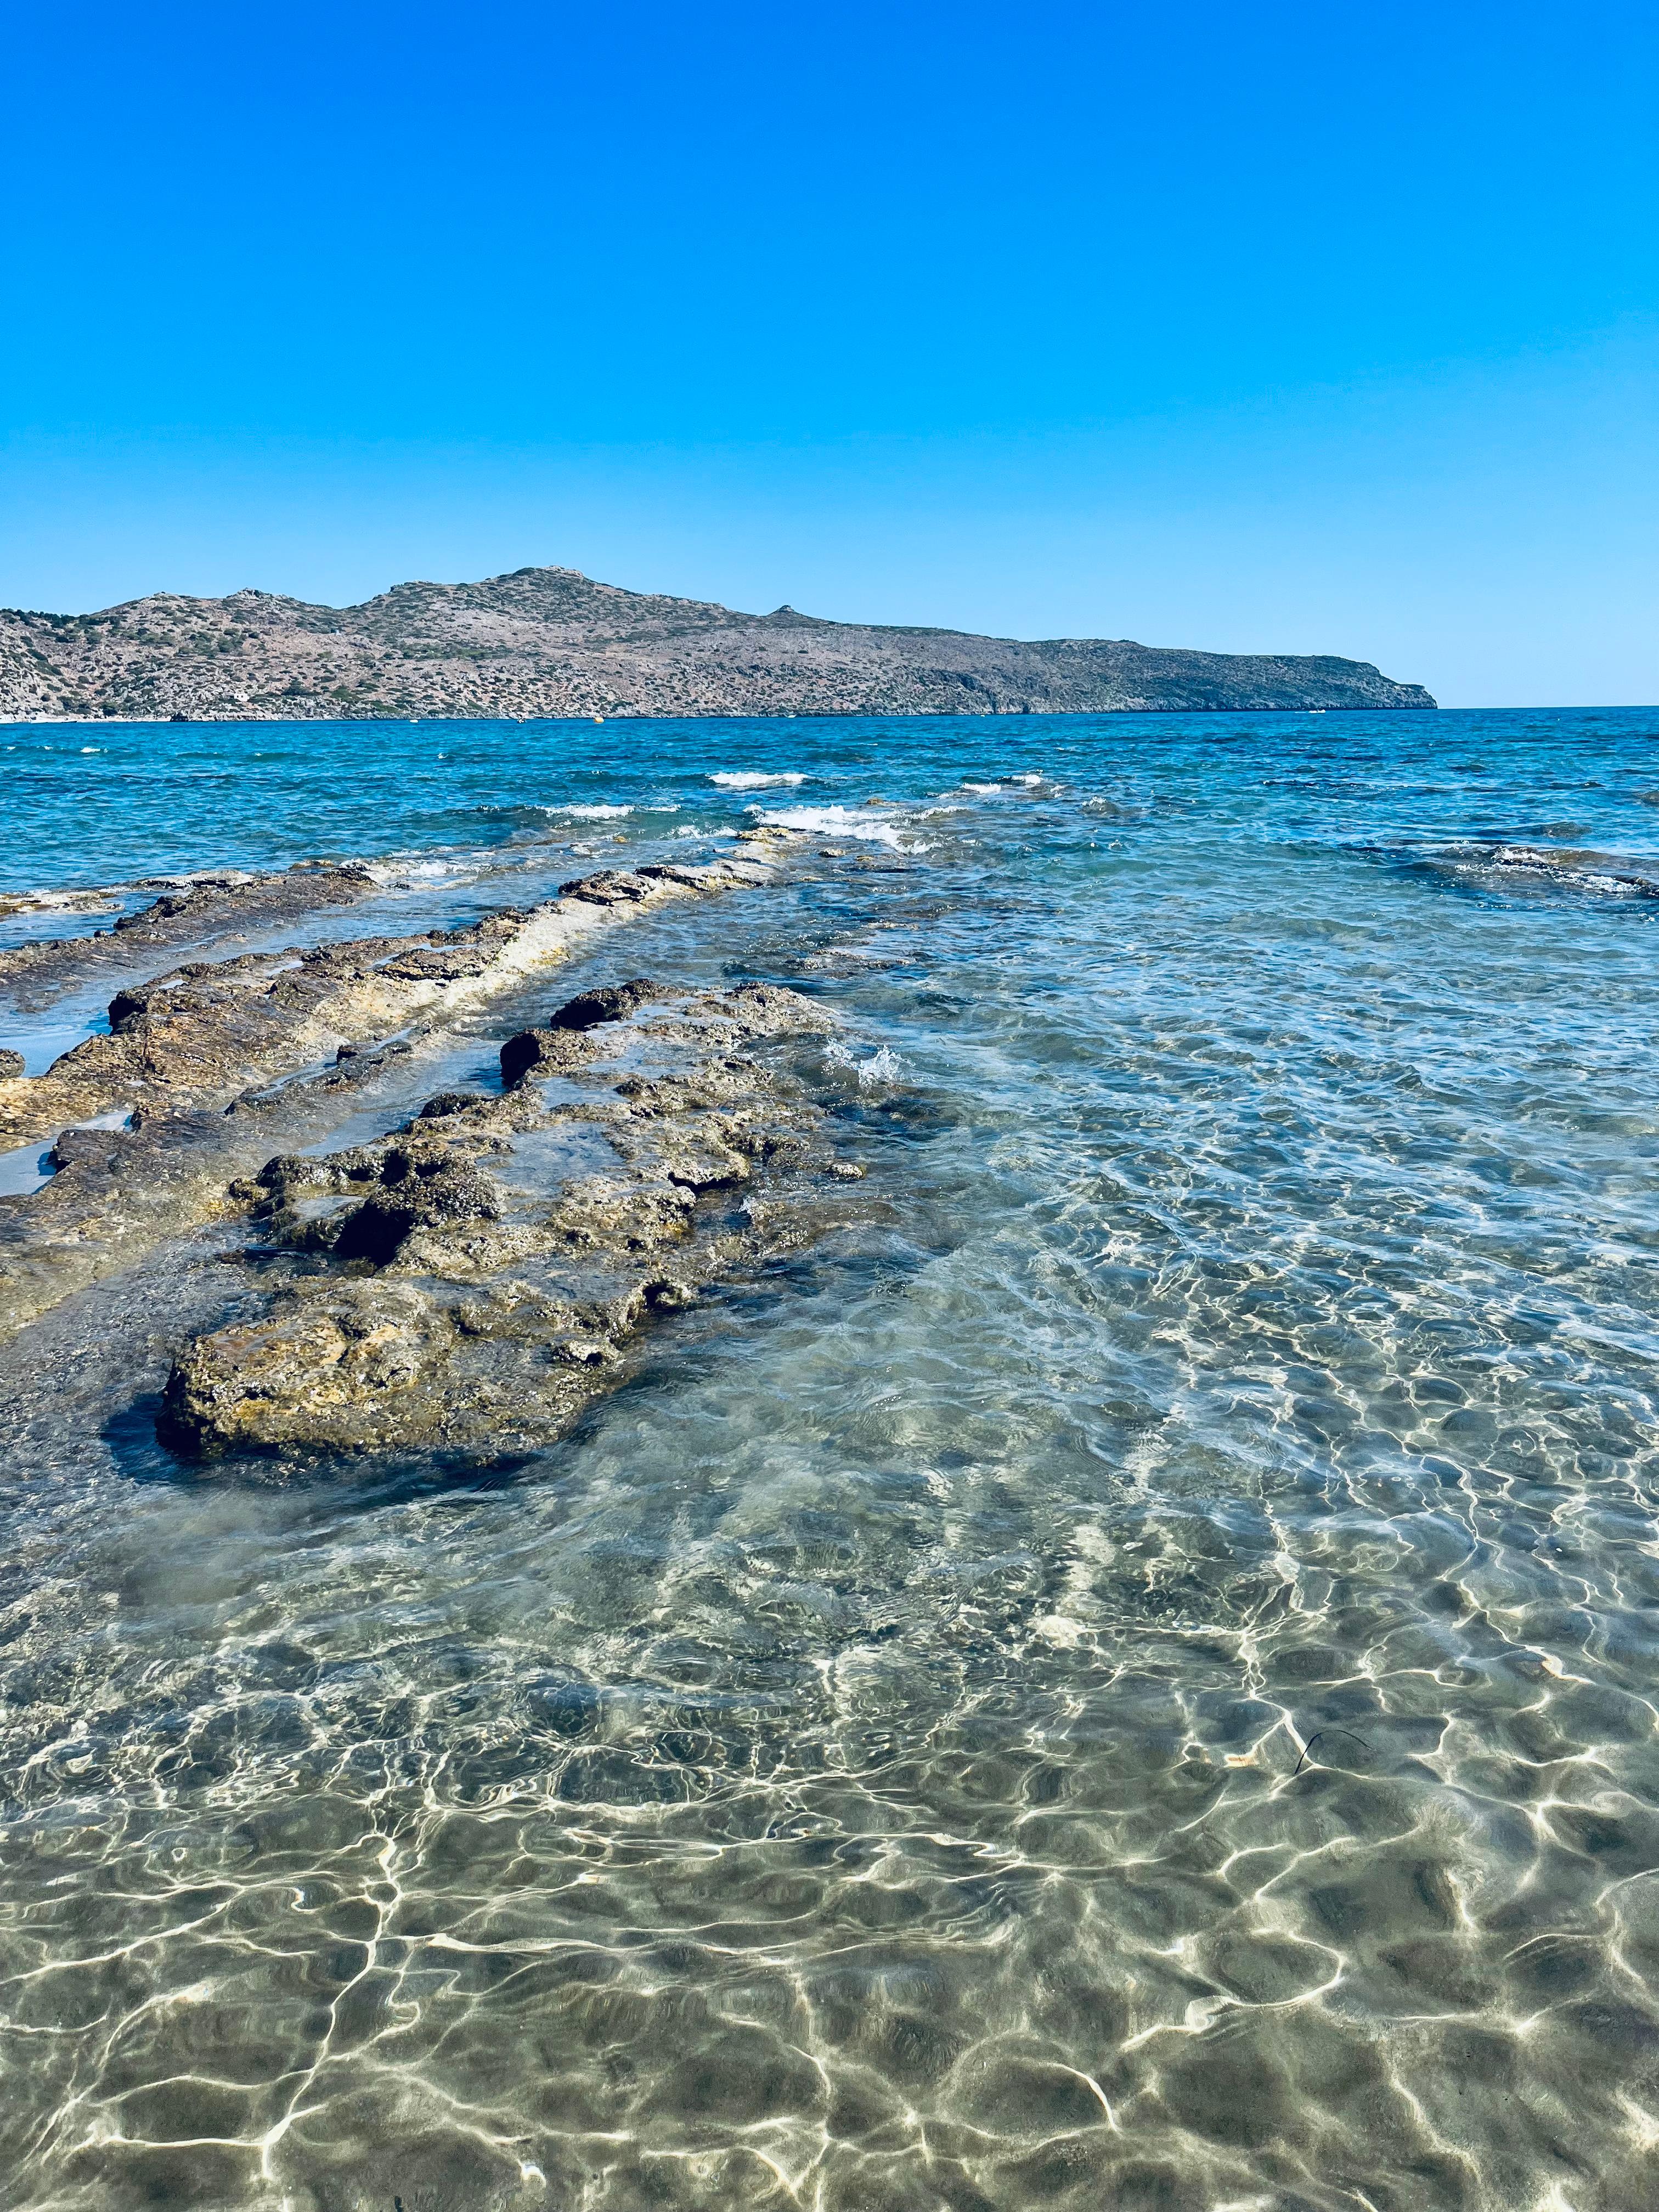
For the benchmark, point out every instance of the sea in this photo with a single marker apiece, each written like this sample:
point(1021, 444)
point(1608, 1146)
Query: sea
point(1126, 1674)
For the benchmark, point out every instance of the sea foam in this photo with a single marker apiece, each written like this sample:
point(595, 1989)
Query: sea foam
point(751, 779)
point(837, 822)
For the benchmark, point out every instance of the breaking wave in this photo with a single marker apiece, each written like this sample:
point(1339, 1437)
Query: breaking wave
point(754, 780)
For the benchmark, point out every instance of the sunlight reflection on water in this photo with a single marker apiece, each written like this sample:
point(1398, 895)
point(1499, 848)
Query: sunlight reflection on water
point(1124, 1677)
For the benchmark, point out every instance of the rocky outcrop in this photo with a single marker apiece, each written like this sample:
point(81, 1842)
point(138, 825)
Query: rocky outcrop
point(550, 642)
point(203, 910)
point(148, 1125)
point(460, 1296)
point(206, 1033)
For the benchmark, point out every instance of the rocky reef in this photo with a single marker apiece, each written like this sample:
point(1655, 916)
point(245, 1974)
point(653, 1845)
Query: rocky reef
point(551, 642)
point(203, 909)
point(145, 1127)
point(470, 1282)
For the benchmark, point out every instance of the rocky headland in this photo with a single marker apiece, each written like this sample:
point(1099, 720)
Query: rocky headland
point(549, 642)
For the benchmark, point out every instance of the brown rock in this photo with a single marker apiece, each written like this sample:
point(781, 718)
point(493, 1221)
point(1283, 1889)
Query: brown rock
point(442, 1346)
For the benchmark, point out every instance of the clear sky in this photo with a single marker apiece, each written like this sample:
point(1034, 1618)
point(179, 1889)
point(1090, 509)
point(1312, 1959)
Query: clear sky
point(1302, 328)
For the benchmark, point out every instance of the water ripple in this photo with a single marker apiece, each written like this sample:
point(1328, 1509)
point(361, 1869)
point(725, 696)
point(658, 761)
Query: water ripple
point(1123, 1676)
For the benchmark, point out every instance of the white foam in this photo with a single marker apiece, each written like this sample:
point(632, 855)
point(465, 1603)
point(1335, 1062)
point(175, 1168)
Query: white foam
point(591, 813)
point(58, 901)
point(837, 822)
point(402, 875)
point(884, 1065)
point(750, 780)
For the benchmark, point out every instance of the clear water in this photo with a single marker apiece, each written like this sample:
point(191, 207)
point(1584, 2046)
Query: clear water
point(1127, 1676)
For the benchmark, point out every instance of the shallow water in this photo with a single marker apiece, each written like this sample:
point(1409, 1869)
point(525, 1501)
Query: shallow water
point(1125, 1675)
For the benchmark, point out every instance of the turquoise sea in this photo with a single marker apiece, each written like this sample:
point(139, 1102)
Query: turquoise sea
point(1125, 1676)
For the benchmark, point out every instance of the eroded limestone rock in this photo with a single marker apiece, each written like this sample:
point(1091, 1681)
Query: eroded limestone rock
point(456, 1298)
point(203, 909)
point(200, 1061)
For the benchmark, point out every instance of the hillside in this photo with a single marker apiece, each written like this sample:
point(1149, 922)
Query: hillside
point(549, 642)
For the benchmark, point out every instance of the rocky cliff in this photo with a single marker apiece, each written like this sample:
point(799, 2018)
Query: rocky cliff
point(549, 642)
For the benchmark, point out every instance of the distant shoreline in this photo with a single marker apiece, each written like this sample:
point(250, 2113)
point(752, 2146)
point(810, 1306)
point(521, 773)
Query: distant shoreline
point(628, 714)
point(550, 645)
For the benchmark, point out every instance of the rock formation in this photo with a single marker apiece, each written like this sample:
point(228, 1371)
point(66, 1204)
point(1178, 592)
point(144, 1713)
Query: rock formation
point(206, 909)
point(476, 1277)
point(145, 1127)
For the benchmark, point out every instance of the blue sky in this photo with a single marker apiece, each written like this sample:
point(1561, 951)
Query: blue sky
point(1289, 327)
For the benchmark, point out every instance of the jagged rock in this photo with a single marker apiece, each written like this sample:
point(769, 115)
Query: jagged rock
point(611, 1002)
point(560, 1046)
point(447, 1102)
point(443, 1346)
point(206, 909)
point(11, 1063)
point(609, 887)
point(93, 1148)
point(199, 1062)
point(414, 1193)
point(347, 1369)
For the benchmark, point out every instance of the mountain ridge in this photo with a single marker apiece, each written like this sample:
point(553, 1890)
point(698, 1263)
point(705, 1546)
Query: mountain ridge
point(550, 642)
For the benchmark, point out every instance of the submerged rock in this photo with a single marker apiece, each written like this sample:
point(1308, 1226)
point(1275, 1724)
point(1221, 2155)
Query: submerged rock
point(453, 1303)
point(211, 1030)
point(203, 1066)
point(203, 909)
